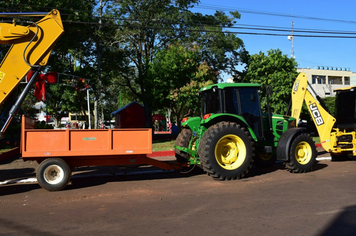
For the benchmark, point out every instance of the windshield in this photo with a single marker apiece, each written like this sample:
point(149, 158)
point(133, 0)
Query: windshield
point(210, 102)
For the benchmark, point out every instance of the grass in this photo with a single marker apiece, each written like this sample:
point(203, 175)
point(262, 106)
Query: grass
point(5, 150)
point(163, 145)
point(316, 139)
point(5, 147)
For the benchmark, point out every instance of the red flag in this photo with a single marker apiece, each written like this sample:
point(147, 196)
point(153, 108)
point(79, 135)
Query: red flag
point(40, 87)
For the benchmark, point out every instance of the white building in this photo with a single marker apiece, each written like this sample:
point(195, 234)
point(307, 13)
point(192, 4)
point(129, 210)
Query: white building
point(325, 79)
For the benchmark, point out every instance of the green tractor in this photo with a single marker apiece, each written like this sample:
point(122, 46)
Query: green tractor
point(233, 134)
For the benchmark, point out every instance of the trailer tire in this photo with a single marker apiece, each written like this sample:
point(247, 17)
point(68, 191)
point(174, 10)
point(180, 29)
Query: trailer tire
point(226, 151)
point(53, 174)
point(302, 154)
point(183, 140)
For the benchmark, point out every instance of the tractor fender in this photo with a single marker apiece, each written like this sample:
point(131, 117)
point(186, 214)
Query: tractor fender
point(282, 152)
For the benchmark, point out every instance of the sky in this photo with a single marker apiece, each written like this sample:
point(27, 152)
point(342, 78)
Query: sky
point(311, 15)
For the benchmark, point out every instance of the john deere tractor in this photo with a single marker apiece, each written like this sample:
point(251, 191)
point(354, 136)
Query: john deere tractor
point(233, 134)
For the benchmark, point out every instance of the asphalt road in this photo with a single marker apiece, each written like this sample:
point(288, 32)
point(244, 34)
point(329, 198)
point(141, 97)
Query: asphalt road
point(269, 201)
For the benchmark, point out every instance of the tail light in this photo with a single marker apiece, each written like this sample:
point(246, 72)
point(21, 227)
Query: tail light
point(206, 116)
point(185, 119)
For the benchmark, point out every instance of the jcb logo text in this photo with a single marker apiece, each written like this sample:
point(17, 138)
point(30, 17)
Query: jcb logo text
point(316, 114)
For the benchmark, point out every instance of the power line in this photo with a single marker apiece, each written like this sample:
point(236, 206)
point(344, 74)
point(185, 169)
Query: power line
point(250, 28)
point(226, 8)
point(312, 34)
point(222, 8)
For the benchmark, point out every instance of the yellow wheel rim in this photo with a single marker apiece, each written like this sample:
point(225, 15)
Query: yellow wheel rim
point(230, 152)
point(303, 153)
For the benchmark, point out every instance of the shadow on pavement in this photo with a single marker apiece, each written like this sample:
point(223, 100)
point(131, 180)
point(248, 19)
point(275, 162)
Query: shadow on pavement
point(13, 174)
point(96, 177)
point(343, 224)
point(17, 188)
point(257, 171)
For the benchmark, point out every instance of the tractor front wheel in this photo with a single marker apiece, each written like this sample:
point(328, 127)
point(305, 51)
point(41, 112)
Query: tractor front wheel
point(226, 151)
point(183, 140)
point(302, 154)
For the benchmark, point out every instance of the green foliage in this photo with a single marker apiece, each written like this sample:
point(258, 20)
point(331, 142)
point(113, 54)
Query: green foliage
point(275, 70)
point(330, 104)
point(43, 125)
point(117, 51)
point(152, 26)
point(62, 101)
point(178, 77)
point(28, 108)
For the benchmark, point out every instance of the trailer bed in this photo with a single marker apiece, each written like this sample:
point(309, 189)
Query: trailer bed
point(60, 151)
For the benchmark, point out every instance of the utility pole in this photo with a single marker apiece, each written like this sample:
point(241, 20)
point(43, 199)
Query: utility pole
point(99, 54)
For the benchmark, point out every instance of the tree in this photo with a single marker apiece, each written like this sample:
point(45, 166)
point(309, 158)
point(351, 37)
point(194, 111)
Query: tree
point(330, 104)
point(145, 27)
point(275, 70)
point(178, 76)
point(62, 101)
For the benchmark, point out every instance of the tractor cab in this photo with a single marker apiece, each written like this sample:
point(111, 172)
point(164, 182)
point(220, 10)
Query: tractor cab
point(240, 99)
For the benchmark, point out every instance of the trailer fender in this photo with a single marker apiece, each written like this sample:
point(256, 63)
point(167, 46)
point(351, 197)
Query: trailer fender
point(285, 142)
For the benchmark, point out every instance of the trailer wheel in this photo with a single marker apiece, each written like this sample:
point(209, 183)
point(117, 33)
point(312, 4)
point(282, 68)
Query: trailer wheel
point(302, 154)
point(226, 151)
point(53, 174)
point(183, 140)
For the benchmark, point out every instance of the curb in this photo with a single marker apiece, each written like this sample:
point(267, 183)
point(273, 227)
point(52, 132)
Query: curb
point(9, 154)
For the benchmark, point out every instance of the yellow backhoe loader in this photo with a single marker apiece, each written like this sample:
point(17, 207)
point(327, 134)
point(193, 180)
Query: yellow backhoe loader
point(337, 136)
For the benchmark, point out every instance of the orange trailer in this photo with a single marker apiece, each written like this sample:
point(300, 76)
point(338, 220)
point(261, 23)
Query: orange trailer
point(59, 151)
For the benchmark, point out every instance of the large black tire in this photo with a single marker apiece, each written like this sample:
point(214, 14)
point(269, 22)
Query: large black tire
point(53, 174)
point(226, 151)
point(183, 140)
point(302, 154)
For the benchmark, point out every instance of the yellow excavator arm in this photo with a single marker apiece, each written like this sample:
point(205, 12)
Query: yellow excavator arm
point(302, 92)
point(31, 48)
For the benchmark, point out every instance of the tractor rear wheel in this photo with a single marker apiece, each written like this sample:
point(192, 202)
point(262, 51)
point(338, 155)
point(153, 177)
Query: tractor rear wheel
point(226, 151)
point(183, 140)
point(302, 154)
